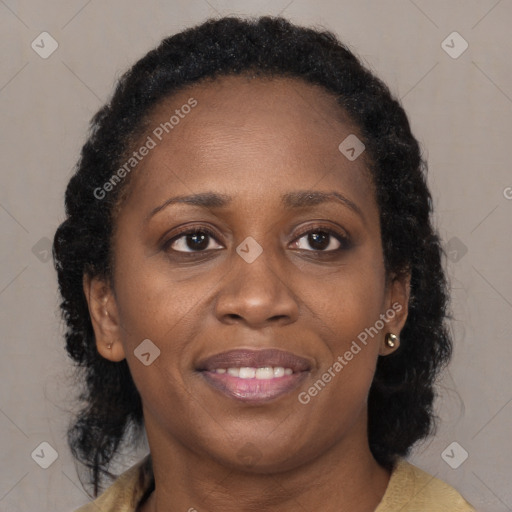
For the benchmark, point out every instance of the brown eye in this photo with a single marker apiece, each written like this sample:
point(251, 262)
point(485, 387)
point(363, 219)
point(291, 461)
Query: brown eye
point(321, 239)
point(193, 240)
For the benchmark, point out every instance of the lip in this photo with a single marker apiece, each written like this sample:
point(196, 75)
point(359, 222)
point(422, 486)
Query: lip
point(253, 390)
point(255, 358)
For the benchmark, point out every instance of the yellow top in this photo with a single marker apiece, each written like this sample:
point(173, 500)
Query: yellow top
point(409, 490)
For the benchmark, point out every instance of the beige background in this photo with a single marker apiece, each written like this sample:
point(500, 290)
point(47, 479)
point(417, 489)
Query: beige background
point(460, 110)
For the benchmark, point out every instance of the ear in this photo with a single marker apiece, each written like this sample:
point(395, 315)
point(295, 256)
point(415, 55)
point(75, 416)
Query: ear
point(104, 317)
point(397, 308)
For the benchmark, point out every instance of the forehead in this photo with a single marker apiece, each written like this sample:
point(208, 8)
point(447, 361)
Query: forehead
point(246, 135)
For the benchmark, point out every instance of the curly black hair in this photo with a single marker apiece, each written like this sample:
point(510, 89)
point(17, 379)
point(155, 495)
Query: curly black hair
point(400, 403)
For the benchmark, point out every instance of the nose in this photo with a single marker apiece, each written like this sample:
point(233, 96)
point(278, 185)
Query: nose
point(256, 293)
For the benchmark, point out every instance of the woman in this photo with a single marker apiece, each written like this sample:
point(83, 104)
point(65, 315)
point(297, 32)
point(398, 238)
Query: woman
point(250, 276)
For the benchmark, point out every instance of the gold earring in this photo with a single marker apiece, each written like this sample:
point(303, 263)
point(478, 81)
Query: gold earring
point(109, 346)
point(391, 340)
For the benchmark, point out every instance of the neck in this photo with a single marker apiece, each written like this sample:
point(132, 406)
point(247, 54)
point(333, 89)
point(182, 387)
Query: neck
point(345, 477)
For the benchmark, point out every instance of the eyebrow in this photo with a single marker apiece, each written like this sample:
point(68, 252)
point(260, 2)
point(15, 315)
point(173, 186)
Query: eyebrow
point(291, 200)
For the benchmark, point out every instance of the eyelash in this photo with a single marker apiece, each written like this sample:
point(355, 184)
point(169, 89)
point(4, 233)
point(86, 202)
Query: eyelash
point(343, 240)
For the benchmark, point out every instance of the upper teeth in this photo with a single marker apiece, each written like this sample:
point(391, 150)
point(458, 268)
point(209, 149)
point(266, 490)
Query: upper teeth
point(266, 372)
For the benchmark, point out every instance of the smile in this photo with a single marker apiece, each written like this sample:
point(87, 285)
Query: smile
point(254, 376)
point(265, 373)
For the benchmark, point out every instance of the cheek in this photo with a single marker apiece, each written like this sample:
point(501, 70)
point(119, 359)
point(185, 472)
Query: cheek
point(340, 387)
point(350, 301)
point(165, 315)
point(153, 306)
point(154, 300)
point(347, 309)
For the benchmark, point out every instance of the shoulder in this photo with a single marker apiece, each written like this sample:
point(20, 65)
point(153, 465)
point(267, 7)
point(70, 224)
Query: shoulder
point(125, 494)
point(411, 489)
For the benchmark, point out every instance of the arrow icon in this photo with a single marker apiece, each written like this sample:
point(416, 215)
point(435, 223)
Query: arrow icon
point(249, 454)
point(351, 147)
point(146, 352)
point(249, 245)
point(42, 249)
point(44, 455)
point(454, 45)
point(455, 249)
point(44, 45)
point(454, 455)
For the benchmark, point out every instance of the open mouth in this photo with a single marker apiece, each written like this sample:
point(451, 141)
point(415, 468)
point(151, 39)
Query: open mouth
point(254, 376)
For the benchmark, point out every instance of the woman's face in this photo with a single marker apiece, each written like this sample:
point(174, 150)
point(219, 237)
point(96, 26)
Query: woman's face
point(277, 279)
